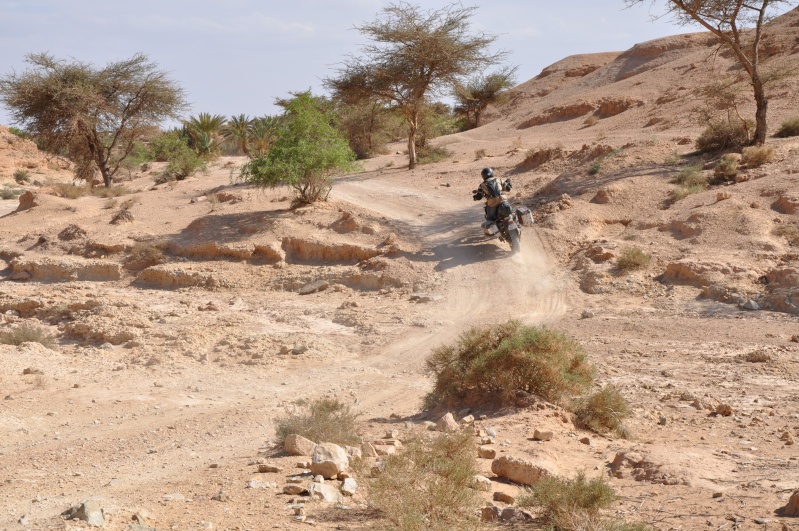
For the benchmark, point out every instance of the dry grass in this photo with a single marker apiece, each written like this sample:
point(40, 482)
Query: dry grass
point(633, 258)
point(428, 486)
point(591, 121)
point(724, 134)
point(22, 176)
point(27, 333)
point(495, 363)
point(10, 193)
point(563, 502)
point(74, 191)
point(754, 156)
point(788, 128)
point(789, 231)
point(321, 420)
point(480, 153)
point(143, 255)
point(726, 169)
point(604, 411)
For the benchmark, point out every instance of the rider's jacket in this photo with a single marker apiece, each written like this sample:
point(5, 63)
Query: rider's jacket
point(492, 191)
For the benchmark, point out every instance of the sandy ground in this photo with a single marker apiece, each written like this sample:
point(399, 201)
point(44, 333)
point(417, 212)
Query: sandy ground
point(166, 379)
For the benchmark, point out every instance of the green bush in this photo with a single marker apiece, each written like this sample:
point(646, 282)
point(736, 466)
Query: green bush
point(564, 502)
point(428, 485)
point(633, 258)
point(729, 134)
point(788, 128)
point(10, 193)
point(754, 156)
point(430, 154)
point(604, 411)
point(494, 364)
point(726, 169)
point(321, 420)
point(19, 133)
point(27, 333)
point(22, 176)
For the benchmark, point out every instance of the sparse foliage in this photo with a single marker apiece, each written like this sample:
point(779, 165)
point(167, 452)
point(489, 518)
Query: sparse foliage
point(603, 411)
point(724, 134)
point(27, 333)
point(95, 115)
point(789, 231)
point(754, 156)
point(428, 486)
point(788, 128)
point(308, 152)
point(22, 176)
point(739, 26)
point(633, 258)
point(412, 54)
point(726, 169)
point(320, 420)
point(475, 95)
point(495, 363)
point(10, 193)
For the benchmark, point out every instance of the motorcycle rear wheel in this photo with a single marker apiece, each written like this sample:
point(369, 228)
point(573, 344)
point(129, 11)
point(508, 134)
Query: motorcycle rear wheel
point(515, 243)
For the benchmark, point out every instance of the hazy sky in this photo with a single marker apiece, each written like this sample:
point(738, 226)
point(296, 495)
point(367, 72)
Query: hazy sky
point(237, 56)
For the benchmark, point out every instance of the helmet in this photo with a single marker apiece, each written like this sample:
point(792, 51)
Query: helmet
point(487, 173)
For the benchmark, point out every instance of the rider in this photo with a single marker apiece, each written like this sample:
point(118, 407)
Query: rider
point(491, 190)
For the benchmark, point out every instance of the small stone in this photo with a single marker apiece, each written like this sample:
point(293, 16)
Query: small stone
point(725, 410)
point(318, 479)
point(585, 440)
point(504, 498)
point(303, 464)
point(587, 314)
point(269, 469)
point(299, 349)
point(255, 484)
point(368, 450)
point(221, 496)
point(89, 511)
point(447, 423)
point(385, 449)
point(490, 514)
point(349, 487)
point(393, 434)
point(467, 420)
point(542, 435)
point(482, 483)
point(31, 370)
point(325, 492)
point(295, 490)
point(662, 420)
point(485, 452)
point(761, 521)
point(751, 305)
point(718, 494)
point(491, 432)
point(486, 440)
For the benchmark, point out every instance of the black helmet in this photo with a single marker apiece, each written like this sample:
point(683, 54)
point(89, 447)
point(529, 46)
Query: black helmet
point(487, 173)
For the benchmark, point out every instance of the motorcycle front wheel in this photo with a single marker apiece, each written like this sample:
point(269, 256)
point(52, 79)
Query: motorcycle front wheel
point(515, 244)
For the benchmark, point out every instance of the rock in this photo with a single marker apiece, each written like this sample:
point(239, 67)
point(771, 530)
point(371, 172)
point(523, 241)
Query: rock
point(490, 514)
point(657, 466)
point(325, 492)
point(385, 449)
point(786, 204)
point(587, 314)
point(255, 484)
point(662, 420)
point(299, 445)
point(482, 483)
point(299, 349)
point(751, 305)
point(349, 487)
point(725, 410)
point(368, 450)
point(318, 479)
point(491, 432)
point(523, 471)
point(512, 513)
point(269, 469)
point(486, 452)
point(425, 297)
point(447, 423)
point(90, 511)
point(718, 494)
point(295, 490)
point(27, 200)
point(586, 440)
point(504, 498)
point(221, 496)
point(792, 507)
point(542, 435)
point(328, 460)
point(467, 420)
point(353, 452)
point(313, 287)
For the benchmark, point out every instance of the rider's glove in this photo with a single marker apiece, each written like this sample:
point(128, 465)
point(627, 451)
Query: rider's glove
point(508, 186)
point(477, 195)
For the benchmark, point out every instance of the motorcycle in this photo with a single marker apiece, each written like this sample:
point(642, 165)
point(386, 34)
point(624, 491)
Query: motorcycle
point(508, 224)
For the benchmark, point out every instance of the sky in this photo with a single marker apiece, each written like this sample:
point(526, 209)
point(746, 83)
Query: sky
point(237, 56)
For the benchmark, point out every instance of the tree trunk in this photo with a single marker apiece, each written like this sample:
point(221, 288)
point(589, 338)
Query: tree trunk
point(760, 113)
point(106, 175)
point(412, 141)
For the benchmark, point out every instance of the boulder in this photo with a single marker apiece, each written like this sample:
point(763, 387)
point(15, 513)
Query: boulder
point(299, 445)
point(792, 507)
point(349, 487)
point(447, 423)
point(482, 483)
point(89, 511)
point(787, 204)
point(486, 452)
point(325, 492)
point(524, 471)
point(329, 460)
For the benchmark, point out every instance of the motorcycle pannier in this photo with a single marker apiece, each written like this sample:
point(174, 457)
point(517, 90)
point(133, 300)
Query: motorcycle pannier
point(524, 215)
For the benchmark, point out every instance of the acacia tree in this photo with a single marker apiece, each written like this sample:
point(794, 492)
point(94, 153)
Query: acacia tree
point(739, 26)
point(474, 96)
point(94, 115)
point(412, 54)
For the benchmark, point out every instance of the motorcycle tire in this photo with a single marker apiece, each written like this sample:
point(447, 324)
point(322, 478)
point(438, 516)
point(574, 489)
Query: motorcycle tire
point(515, 243)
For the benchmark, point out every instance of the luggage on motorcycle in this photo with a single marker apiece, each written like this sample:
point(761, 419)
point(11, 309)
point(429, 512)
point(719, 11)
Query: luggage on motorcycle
point(490, 228)
point(504, 209)
point(525, 215)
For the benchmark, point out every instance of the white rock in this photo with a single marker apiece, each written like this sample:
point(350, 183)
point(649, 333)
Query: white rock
point(299, 445)
point(328, 460)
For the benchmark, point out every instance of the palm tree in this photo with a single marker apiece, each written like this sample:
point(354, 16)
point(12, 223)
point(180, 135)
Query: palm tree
point(263, 134)
point(204, 131)
point(238, 131)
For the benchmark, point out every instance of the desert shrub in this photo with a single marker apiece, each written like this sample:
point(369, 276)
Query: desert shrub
point(564, 501)
point(591, 121)
point(595, 168)
point(684, 191)
point(143, 255)
point(74, 191)
point(691, 175)
point(19, 133)
point(494, 364)
point(22, 176)
point(27, 333)
point(633, 258)
point(429, 154)
point(603, 411)
point(789, 231)
point(673, 159)
point(725, 134)
point(10, 193)
point(788, 128)
point(428, 486)
point(754, 156)
point(480, 153)
point(726, 169)
point(321, 420)
point(183, 163)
